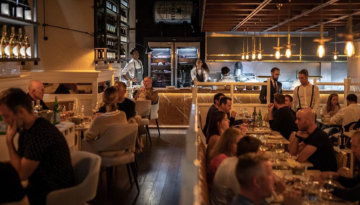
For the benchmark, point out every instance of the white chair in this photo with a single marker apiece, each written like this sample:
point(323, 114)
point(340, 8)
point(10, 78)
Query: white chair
point(115, 147)
point(143, 108)
point(86, 170)
point(154, 114)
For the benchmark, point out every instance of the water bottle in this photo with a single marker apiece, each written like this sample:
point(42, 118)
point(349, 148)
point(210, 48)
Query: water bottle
point(259, 118)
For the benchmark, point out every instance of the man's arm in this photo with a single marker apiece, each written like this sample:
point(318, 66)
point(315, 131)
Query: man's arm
point(317, 98)
point(23, 166)
point(304, 155)
point(125, 70)
point(294, 144)
point(262, 96)
point(337, 118)
point(153, 96)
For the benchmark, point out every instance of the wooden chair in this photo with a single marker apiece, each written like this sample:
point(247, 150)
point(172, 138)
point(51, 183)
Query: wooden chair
point(143, 108)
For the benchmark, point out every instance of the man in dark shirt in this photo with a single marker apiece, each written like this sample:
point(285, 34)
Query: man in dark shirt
point(284, 122)
point(124, 104)
point(212, 109)
point(315, 145)
point(225, 106)
point(36, 92)
point(289, 103)
point(255, 176)
point(351, 185)
point(43, 155)
point(275, 86)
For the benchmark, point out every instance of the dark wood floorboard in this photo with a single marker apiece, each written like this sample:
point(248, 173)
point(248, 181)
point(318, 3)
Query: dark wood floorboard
point(159, 174)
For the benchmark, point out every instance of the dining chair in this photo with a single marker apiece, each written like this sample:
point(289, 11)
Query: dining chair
point(86, 174)
point(116, 147)
point(154, 114)
point(143, 108)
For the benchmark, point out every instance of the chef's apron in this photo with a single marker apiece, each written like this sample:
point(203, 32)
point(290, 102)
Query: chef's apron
point(138, 73)
point(200, 77)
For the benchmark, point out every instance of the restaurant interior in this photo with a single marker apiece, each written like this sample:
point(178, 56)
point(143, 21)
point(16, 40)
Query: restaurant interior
point(78, 49)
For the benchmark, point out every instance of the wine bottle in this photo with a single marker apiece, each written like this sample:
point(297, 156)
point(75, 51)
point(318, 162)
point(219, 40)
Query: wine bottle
point(27, 45)
point(27, 11)
point(5, 8)
point(19, 10)
point(11, 45)
point(4, 41)
point(56, 112)
point(254, 116)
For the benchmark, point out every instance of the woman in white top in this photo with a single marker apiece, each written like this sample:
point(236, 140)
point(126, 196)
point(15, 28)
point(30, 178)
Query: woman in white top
point(332, 106)
point(112, 116)
point(200, 71)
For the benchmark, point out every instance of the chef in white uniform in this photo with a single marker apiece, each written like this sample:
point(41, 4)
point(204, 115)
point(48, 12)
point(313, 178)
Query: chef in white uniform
point(134, 68)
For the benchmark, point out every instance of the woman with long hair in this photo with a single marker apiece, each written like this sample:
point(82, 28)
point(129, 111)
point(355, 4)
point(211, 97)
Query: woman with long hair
point(225, 147)
point(200, 71)
point(112, 116)
point(332, 106)
point(218, 124)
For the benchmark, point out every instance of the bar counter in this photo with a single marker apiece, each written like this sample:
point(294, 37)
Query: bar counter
point(175, 104)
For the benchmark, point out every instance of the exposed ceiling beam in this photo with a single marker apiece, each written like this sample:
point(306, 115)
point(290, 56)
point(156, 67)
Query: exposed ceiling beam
point(253, 13)
point(303, 14)
point(203, 15)
point(337, 19)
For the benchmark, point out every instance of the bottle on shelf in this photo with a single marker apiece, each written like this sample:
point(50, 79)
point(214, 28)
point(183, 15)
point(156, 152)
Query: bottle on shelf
point(27, 11)
point(27, 45)
point(259, 118)
point(18, 10)
point(11, 45)
point(5, 7)
point(56, 112)
point(2, 126)
point(4, 41)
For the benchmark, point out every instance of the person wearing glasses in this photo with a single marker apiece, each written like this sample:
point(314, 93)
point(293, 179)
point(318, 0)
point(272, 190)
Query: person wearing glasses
point(275, 86)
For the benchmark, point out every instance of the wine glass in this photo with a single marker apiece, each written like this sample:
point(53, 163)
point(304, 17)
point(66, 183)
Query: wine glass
point(328, 187)
point(96, 108)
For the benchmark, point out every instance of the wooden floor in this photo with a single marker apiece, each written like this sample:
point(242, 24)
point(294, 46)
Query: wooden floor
point(159, 174)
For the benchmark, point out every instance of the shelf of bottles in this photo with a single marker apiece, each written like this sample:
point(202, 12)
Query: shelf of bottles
point(111, 28)
point(14, 43)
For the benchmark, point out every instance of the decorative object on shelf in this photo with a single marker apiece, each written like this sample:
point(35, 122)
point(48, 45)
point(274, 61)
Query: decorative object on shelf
point(5, 8)
point(27, 45)
point(27, 11)
point(278, 47)
point(335, 53)
point(321, 48)
point(101, 52)
point(288, 45)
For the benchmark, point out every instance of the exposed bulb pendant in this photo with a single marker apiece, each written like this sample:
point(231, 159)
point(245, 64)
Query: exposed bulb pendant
point(247, 45)
point(288, 46)
point(254, 49)
point(277, 48)
point(335, 53)
point(349, 37)
point(349, 48)
point(321, 48)
point(288, 53)
point(243, 53)
point(259, 51)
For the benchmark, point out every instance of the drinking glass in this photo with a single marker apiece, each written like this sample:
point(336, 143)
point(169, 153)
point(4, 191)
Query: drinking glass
point(246, 113)
point(96, 108)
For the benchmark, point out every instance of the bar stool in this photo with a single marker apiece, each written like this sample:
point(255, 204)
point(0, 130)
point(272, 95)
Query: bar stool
point(154, 114)
point(143, 108)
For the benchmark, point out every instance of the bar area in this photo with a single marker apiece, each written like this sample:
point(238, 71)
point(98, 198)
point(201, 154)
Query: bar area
point(206, 102)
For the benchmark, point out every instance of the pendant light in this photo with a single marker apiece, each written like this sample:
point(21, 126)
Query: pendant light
point(288, 45)
point(254, 49)
point(321, 48)
point(247, 45)
point(349, 37)
point(278, 48)
point(259, 51)
point(243, 53)
point(335, 53)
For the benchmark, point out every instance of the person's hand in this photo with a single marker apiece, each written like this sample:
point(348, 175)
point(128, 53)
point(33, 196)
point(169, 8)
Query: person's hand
point(243, 127)
point(302, 134)
point(11, 131)
point(326, 175)
point(271, 106)
point(293, 198)
point(233, 114)
point(134, 80)
point(279, 185)
point(142, 90)
point(302, 145)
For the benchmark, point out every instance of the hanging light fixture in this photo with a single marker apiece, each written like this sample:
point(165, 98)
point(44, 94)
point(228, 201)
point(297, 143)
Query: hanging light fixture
point(288, 45)
point(259, 51)
point(278, 48)
point(349, 37)
point(335, 53)
point(254, 49)
point(247, 45)
point(243, 53)
point(321, 48)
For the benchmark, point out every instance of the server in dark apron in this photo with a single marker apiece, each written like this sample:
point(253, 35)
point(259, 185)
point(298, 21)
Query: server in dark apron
point(200, 71)
point(133, 71)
